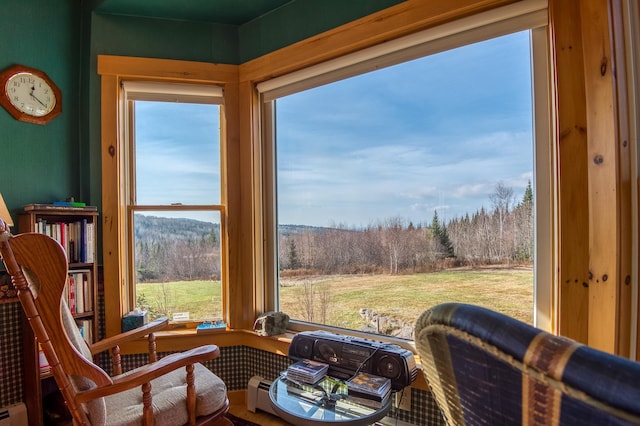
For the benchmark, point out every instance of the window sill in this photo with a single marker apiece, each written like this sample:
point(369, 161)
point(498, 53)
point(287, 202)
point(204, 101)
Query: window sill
point(187, 338)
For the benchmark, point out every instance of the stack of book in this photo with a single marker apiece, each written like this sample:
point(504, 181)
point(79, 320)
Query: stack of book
point(307, 371)
point(78, 292)
point(367, 389)
point(77, 238)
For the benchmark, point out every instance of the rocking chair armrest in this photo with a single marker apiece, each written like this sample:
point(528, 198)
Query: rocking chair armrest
point(148, 372)
point(117, 340)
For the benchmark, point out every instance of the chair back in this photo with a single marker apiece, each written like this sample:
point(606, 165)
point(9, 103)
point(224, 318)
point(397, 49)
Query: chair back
point(38, 267)
point(485, 368)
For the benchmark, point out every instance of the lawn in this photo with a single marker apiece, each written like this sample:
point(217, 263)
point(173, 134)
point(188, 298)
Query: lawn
point(400, 297)
point(202, 299)
point(405, 297)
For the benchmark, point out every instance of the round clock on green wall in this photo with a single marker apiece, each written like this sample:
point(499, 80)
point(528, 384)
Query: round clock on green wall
point(29, 95)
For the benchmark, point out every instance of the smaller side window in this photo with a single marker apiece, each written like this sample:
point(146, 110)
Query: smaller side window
point(174, 203)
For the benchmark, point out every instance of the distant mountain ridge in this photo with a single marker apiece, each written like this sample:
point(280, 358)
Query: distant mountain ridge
point(286, 230)
point(154, 228)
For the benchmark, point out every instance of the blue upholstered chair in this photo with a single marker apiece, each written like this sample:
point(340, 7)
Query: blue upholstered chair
point(485, 368)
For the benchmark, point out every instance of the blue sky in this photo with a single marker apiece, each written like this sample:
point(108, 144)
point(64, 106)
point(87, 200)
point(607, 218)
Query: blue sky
point(437, 133)
point(180, 145)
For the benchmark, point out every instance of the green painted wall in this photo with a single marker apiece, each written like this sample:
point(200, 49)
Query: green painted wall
point(162, 38)
point(63, 37)
point(40, 163)
point(301, 19)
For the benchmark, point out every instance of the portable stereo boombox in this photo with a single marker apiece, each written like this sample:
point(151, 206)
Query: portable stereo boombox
point(346, 354)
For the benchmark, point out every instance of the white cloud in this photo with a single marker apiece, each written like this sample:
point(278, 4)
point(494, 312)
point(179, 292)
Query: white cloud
point(435, 134)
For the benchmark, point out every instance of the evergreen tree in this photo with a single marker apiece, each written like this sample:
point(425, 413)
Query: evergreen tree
point(524, 226)
point(528, 194)
point(294, 263)
point(442, 236)
point(213, 235)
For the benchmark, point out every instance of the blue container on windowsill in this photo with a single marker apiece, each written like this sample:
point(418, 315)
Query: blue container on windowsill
point(133, 320)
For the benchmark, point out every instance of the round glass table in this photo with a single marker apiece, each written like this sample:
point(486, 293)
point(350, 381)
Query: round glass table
point(326, 402)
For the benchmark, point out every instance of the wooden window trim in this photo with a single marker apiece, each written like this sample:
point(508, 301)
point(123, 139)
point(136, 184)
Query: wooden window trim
point(114, 69)
point(503, 20)
point(579, 308)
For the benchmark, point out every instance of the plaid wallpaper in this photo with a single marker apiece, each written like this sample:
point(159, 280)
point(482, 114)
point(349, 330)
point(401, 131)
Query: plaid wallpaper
point(10, 353)
point(235, 366)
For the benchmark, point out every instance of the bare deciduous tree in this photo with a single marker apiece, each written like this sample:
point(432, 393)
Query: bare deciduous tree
point(502, 199)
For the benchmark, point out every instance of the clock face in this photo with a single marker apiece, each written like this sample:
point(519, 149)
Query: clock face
point(30, 94)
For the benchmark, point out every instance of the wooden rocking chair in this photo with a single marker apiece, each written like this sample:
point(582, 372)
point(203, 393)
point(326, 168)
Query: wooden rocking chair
point(174, 390)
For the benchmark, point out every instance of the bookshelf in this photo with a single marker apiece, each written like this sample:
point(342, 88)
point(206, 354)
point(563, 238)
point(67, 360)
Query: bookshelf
point(75, 229)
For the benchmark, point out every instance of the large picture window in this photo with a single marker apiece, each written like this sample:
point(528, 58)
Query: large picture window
point(414, 184)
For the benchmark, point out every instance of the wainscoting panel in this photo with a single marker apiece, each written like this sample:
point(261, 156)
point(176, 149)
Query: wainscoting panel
point(10, 353)
point(235, 366)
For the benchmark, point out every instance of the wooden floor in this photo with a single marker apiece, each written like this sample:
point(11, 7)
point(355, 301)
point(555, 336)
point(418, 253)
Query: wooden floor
point(238, 407)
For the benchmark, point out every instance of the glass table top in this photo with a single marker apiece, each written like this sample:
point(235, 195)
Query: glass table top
point(326, 402)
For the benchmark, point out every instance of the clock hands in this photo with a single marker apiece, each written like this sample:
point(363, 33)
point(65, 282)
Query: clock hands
point(34, 97)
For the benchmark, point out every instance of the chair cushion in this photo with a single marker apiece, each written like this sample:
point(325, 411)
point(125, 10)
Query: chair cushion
point(71, 328)
point(169, 394)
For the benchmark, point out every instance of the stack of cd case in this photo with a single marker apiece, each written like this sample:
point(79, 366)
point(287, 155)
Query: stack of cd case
point(368, 389)
point(307, 371)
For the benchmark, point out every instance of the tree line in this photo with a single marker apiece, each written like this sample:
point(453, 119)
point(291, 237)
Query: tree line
point(502, 234)
point(169, 249)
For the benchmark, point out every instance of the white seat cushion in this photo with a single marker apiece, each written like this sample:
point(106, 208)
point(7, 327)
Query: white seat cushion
point(169, 395)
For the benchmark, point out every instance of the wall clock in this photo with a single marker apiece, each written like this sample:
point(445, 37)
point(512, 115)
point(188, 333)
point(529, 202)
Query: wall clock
point(29, 95)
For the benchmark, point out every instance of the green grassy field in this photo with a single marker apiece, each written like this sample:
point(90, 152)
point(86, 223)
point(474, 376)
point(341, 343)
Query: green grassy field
point(401, 297)
point(202, 299)
point(405, 297)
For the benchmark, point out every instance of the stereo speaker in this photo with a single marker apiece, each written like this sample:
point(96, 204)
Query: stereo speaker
point(347, 354)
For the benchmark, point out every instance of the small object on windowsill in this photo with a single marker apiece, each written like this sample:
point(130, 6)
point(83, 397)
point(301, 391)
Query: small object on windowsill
point(134, 319)
point(211, 326)
point(271, 323)
point(180, 316)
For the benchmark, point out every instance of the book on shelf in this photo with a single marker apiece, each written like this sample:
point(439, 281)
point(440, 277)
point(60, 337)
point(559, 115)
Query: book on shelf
point(87, 286)
point(86, 330)
point(374, 390)
point(91, 242)
point(60, 205)
point(79, 291)
point(69, 204)
point(307, 371)
point(77, 238)
point(71, 294)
